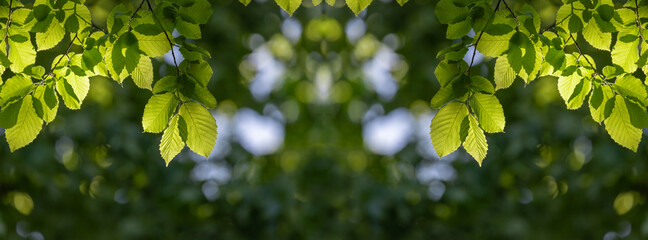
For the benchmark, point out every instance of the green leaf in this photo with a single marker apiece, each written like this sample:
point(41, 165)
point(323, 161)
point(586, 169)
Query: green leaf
point(444, 95)
point(446, 11)
point(446, 127)
point(202, 95)
point(143, 73)
point(612, 71)
point(15, 88)
point(201, 71)
point(498, 29)
point(575, 24)
point(200, 126)
point(46, 102)
point(201, 11)
point(638, 114)
point(556, 58)
point(620, 127)
point(27, 126)
point(504, 75)
point(626, 55)
point(245, 2)
point(188, 29)
point(171, 143)
point(157, 112)
point(21, 54)
point(73, 89)
point(151, 45)
point(9, 115)
point(606, 12)
point(355, 5)
point(400, 2)
point(599, 100)
point(573, 89)
point(72, 24)
point(475, 143)
point(459, 29)
point(165, 84)
point(330, 2)
point(51, 37)
point(149, 29)
point(632, 88)
point(445, 72)
point(481, 84)
point(489, 112)
point(130, 59)
point(494, 46)
point(41, 12)
point(595, 37)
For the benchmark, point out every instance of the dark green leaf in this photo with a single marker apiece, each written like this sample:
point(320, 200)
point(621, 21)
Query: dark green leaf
point(41, 12)
point(498, 29)
point(575, 24)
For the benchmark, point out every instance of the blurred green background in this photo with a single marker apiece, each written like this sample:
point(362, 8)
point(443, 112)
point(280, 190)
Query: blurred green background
point(323, 134)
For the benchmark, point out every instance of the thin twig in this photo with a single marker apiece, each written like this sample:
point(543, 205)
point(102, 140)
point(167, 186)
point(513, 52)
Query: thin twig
point(580, 53)
point(67, 51)
point(170, 42)
point(547, 28)
point(472, 60)
point(509, 9)
point(136, 10)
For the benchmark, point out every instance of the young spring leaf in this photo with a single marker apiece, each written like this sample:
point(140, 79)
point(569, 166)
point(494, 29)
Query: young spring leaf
point(620, 127)
point(157, 112)
point(597, 38)
point(143, 73)
point(626, 54)
point(489, 112)
point(446, 127)
point(46, 102)
point(289, 5)
point(355, 5)
point(171, 143)
point(475, 143)
point(21, 52)
point(27, 126)
point(598, 101)
point(200, 128)
point(73, 89)
point(504, 75)
point(14, 89)
point(573, 89)
point(632, 88)
point(51, 37)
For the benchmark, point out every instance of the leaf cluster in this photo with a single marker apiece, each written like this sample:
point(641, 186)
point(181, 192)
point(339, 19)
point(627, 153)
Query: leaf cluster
point(31, 94)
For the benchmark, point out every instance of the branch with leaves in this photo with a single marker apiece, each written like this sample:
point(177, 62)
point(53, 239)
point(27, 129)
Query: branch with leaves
point(180, 102)
point(523, 50)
